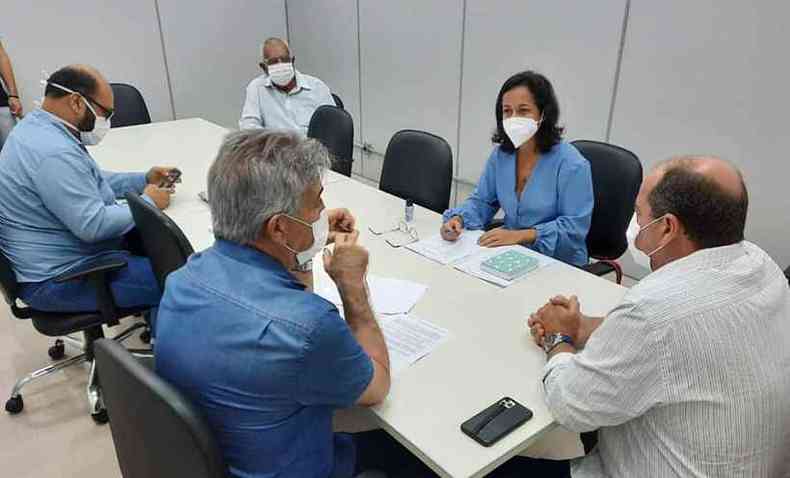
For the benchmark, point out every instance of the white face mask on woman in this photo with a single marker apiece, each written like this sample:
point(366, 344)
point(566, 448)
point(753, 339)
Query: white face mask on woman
point(520, 129)
point(641, 258)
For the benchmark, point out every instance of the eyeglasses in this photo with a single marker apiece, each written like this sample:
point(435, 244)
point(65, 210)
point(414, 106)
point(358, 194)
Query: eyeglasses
point(108, 112)
point(405, 229)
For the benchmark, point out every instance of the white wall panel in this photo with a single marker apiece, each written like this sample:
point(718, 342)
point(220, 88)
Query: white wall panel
point(213, 49)
point(324, 40)
point(410, 63)
point(575, 44)
point(120, 38)
point(712, 77)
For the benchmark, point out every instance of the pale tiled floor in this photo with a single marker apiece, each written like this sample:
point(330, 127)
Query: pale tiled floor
point(54, 436)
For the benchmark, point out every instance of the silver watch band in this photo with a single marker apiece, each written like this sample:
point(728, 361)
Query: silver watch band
point(552, 340)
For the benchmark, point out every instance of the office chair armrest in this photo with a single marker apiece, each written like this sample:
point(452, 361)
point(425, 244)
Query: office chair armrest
point(603, 267)
point(96, 272)
point(494, 224)
point(93, 268)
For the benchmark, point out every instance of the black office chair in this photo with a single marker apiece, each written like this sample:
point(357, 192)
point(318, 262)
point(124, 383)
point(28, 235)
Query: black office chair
point(156, 430)
point(164, 243)
point(54, 324)
point(616, 176)
point(418, 166)
point(130, 108)
point(338, 101)
point(334, 128)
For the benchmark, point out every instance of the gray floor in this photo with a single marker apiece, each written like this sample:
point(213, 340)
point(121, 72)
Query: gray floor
point(54, 436)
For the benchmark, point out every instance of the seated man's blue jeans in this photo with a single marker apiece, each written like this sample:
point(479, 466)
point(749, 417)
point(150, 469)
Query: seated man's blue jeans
point(133, 286)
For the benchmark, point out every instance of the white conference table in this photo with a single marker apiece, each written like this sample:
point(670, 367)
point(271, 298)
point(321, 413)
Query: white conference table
point(490, 353)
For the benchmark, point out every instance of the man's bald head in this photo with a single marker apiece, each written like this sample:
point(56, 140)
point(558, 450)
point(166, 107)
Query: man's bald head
point(724, 173)
point(275, 48)
point(83, 79)
point(91, 94)
point(707, 195)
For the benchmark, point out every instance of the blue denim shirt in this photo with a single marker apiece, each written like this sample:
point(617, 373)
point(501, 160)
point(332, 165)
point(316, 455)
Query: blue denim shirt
point(266, 360)
point(557, 201)
point(57, 208)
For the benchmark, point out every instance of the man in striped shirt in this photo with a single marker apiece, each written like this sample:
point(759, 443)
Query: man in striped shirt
point(690, 375)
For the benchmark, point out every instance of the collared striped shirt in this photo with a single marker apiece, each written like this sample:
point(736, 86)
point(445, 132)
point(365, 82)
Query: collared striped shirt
point(689, 376)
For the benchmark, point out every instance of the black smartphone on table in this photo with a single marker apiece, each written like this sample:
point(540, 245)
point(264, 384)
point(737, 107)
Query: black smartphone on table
point(496, 421)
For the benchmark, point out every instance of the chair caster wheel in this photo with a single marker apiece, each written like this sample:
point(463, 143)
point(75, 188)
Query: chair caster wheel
point(100, 417)
point(14, 405)
point(145, 336)
point(57, 351)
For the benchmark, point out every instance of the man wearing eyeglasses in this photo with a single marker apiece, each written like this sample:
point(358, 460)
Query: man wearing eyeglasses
point(58, 209)
point(282, 98)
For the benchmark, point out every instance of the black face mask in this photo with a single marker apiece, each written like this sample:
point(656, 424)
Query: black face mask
point(88, 121)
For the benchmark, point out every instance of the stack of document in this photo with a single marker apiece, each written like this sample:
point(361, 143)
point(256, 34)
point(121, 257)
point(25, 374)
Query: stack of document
point(409, 339)
point(446, 252)
point(466, 255)
point(388, 296)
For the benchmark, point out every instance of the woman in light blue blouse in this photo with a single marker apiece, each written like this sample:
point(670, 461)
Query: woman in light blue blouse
point(541, 182)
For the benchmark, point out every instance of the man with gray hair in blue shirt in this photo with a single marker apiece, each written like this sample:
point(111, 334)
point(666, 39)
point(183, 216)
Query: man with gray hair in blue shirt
point(58, 209)
point(242, 334)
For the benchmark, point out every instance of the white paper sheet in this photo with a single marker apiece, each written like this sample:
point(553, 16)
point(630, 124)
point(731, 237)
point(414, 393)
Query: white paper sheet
point(471, 264)
point(388, 296)
point(446, 252)
point(409, 339)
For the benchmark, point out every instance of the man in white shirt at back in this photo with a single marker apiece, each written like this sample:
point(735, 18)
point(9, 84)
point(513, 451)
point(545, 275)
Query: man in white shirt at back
point(690, 375)
point(282, 98)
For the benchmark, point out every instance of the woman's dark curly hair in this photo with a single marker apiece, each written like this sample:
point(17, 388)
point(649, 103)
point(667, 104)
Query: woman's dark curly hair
point(548, 133)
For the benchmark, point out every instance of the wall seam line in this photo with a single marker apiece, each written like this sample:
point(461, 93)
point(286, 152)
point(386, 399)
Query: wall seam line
point(618, 69)
point(362, 153)
point(460, 102)
point(164, 57)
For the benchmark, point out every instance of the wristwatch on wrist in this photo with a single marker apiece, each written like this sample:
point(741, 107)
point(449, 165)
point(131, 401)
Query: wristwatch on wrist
point(552, 340)
point(306, 267)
